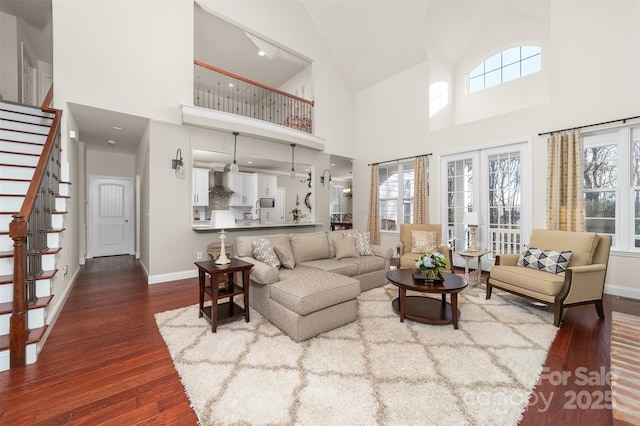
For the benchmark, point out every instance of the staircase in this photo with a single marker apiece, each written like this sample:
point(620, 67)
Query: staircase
point(23, 134)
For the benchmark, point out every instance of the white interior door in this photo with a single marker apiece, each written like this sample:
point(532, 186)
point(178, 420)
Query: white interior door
point(110, 214)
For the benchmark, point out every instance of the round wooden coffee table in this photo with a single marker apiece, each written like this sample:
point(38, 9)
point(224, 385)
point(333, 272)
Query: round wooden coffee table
point(426, 309)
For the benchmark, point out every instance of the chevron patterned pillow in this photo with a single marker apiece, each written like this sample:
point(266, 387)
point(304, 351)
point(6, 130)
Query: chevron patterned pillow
point(552, 261)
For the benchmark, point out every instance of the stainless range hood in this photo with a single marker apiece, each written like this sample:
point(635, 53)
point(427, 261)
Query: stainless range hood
point(219, 188)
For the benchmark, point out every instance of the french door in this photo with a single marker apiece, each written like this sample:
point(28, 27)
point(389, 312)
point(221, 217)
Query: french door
point(495, 182)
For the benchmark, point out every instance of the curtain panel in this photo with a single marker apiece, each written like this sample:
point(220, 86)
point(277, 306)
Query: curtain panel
point(420, 196)
point(565, 199)
point(373, 222)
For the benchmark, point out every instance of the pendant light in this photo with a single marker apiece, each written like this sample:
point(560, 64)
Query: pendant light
point(293, 170)
point(234, 167)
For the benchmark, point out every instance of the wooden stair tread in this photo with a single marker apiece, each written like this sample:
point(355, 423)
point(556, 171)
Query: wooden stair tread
point(39, 115)
point(41, 302)
point(15, 180)
point(24, 131)
point(26, 122)
point(17, 165)
point(35, 336)
point(49, 231)
point(19, 153)
point(45, 275)
point(10, 252)
point(24, 142)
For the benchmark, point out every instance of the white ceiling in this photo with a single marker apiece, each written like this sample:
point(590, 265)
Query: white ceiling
point(370, 41)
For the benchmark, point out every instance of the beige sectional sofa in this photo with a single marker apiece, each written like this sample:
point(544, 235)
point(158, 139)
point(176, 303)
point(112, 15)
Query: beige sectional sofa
point(315, 288)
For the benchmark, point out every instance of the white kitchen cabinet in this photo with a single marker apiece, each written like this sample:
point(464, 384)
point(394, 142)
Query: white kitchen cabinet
point(200, 187)
point(267, 185)
point(243, 186)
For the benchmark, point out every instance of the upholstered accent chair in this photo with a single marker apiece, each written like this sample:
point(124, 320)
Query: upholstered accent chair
point(407, 257)
point(542, 273)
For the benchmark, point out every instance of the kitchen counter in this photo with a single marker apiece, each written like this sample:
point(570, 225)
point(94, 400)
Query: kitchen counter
point(204, 226)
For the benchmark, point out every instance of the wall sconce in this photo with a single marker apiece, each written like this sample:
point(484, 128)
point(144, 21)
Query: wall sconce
point(234, 167)
point(472, 220)
point(293, 170)
point(178, 165)
point(322, 176)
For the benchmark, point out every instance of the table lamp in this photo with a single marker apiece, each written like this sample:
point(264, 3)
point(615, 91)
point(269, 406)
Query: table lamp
point(222, 219)
point(472, 220)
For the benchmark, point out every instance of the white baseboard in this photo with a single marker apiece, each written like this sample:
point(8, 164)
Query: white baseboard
point(173, 276)
point(617, 290)
point(144, 269)
point(53, 314)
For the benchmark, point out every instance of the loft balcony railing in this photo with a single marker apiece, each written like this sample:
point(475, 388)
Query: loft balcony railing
point(217, 89)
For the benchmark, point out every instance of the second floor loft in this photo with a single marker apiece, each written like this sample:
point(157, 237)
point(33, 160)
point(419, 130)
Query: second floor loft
point(217, 89)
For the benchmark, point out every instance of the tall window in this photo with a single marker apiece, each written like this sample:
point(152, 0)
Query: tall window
point(612, 185)
point(396, 195)
point(504, 66)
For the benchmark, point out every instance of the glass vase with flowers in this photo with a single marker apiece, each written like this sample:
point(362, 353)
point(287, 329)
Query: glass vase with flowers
point(429, 265)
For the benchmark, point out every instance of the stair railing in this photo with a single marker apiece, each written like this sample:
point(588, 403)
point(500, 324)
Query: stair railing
point(28, 229)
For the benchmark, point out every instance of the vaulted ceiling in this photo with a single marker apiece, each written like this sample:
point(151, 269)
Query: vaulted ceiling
point(370, 40)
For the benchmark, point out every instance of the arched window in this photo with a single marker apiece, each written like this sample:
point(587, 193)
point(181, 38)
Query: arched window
point(504, 66)
point(438, 96)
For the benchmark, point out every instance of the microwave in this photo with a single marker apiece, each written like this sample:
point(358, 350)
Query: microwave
point(267, 203)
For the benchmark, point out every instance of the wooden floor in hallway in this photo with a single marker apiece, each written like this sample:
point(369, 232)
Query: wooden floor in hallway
point(106, 363)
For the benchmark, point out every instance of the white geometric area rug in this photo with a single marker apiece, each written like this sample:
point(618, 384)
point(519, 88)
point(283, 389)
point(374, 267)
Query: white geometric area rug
point(375, 370)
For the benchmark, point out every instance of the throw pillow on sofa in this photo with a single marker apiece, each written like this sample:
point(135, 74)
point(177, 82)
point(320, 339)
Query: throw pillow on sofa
point(362, 242)
point(552, 261)
point(424, 242)
point(346, 247)
point(311, 246)
point(263, 251)
point(285, 255)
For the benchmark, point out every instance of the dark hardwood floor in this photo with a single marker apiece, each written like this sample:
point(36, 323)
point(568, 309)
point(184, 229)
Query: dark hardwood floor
point(106, 363)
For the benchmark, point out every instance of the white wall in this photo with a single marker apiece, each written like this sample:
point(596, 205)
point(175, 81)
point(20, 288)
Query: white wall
point(110, 163)
point(142, 169)
point(134, 57)
point(172, 243)
point(589, 84)
point(288, 24)
point(9, 62)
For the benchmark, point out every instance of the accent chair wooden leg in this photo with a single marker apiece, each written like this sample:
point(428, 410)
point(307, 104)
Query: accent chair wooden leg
point(599, 308)
point(557, 314)
point(489, 288)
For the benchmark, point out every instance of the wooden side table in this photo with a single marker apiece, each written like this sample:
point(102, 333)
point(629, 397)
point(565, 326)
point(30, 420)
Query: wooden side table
point(472, 277)
point(227, 311)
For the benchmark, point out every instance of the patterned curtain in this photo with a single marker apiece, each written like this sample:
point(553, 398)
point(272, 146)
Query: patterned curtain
point(373, 223)
point(420, 198)
point(565, 202)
